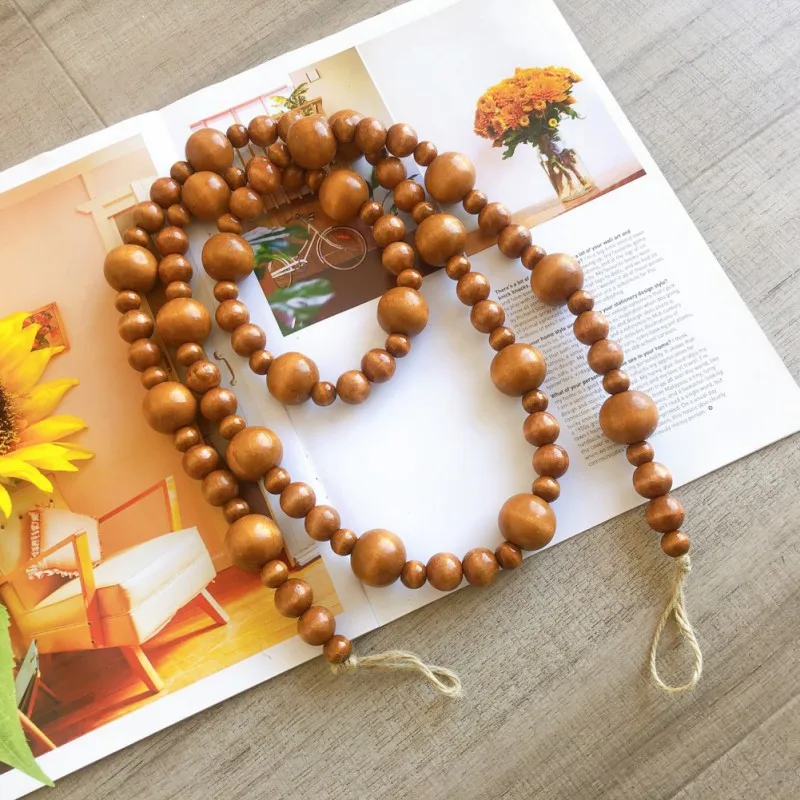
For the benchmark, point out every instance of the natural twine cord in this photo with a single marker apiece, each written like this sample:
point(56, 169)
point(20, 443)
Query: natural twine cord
point(443, 680)
point(677, 606)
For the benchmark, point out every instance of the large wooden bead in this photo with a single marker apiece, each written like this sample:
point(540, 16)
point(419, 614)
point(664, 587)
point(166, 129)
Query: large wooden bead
point(551, 460)
point(297, 499)
point(605, 356)
point(517, 369)
point(540, 428)
point(311, 142)
point(353, 387)
point(407, 193)
point(402, 310)
point(664, 513)
point(378, 365)
point(628, 417)
point(206, 195)
point(316, 626)
point(166, 191)
point(480, 566)
point(555, 278)
point(450, 177)
point(246, 204)
point(263, 176)
point(253, 452)
point(527, 521)
point(378, 557)
point(294, 597)
point(342, 194)
point(183, 320)
point(199, 461)
point(169, 406)
point(133, 325)
point(202, 376)
point(209, 150)
point(444, 572)
point(652, 479)
point(148, 216)
point(291, 378)
point(252, 541)
point(388, 229)
point(262, 130)
point(370, 135)
point(440, 237)
point(322, 522)
point(130, 267)
point(675, 544)
point(401, 140)
point(228, 257)
point(337, 649)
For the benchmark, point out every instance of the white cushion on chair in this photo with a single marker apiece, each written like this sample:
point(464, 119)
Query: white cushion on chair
point(49, 526)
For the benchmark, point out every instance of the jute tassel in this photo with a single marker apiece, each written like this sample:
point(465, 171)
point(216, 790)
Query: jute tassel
point(677, 605)
point(443, 680)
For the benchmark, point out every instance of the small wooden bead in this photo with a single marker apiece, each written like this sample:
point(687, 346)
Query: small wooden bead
point(413, 575)
point(127, 301)
point(532, 255)
point(186, 438)
point(551, 460)
point(353, 387)
point(342, 194)
point(370, 135)
point(616, 381)
point(287, 120)
point(389, 228)
point(218, 403)
point(422, 211)
point(274, 573)
point(401, 140)
point(152, 376)
point(527, 521)
point(474, 201)
point(546, 487)
point(407, 193)
point(337, 649)
point(171, 240)
point(664, 514)
point(247, 339)
point(253, 452)
point(535, 400)
point(276, 480)
point(293, 179)
point(411, 278)
point(219, 487)
point(263, 176)
point(206, 195)
point(188, 353)
point(628, 417)
point(262, 130)
point(424, 153)
point(493, 217)
point(177, 289)
point(389, 172)
point(149, 216)
point(130, 267)
point(297, 499)
point(675, 544)
point(235, 177)
point(235, 509)
point(180, 171)
point(397, 345)
point(227, 223)
point(450, 177)
point(472, 288)
point(513, 239)
point(501, 337)
point(291, 378)
point(133, 325)
point(237, 135)
point(375, 157)
point(590, 327)
point(246, 204)
point(293, 598)
point(231, 425)
point(652, 479)
point(402, 310)
point(322, 522)
point(604, 356)
point(316, 626)
point(444, 572)
point(199, 460)
point(343, 541)
point(440, 237)
point(378, 365)
point(202, 376)
point(397, 257)
point(178, 215)
point(166, 191)
point(486, 315)
point(260, 361)
point(137, 236)
point(540, 428)
point(209, 149)
point(517, 369)
point(315, 178)
point(226, 290)
point(580, 302)
point(457, 267)
point(480, 566)
point(144, 353)
point(556, 278)
point(174, 267)
point(508, 555)
point(378, 557)
point(370, 212)
point(323, 393)
point(230, 314)
point(639, 453)
point(278, 154)
point(182, 321)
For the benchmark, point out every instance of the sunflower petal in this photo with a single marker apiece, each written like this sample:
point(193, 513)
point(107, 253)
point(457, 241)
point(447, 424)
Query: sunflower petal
point(14, 468)
point(42, 400)
point(76, 452)
point(5, 502)
point(18, 348)
point(51, 429)
point(24, 376)
point(48, 456)
point(10, 328)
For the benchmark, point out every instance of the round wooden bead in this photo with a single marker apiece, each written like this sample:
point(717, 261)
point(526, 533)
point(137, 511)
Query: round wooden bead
point(513, 239)
point(387, 229)
point(353, 387)
point(188, 353)
point(226, 290)
point(493, 217)
point(219, 487)
point(322, 522)
point(323, 393)
point(535, 400)
point(652, 479)
point(315, 178)
point(551, 460)
point(209, 150)
point(166, 191)
point(316, 626)
point(274, 573)
point(262, 175)
point(376, 156)
point(439, 238)
point(413, 575)
point(508, 555)
point(230, 314)
point(378, 365)
point(664, 513)
point(517, 369)
point(532, 255)
point(183, 320)
point(398, 256)
point(424, 153)
point(171, 240)
point(501, 337)
point(216, 404)
point(278, 153)
point(378, 557)
point(402, 310)
point(237, 135)
point(397, 345)
point(174, 267)
point(480, 566)
point(343, 541)
point(231, 425)
point(401, 140)
point(169, 406)
point(235, 509)
point(457, 267)
point(149, 216)
point(260, 361)
point(179, 172)
point(411, 278)
point(293, 178)
point(235, 177)
point(247, 339)
point(202, 376)
point(177, 289)
point(228, 257)
point(127, 301)
point(370, 212)
point(450, 177)
point(370, 135)
point(556, 278)
point(486, 315)
point(639, 453)
point(444, 572)
point(130, 267)
point(133, 325)
point(311, 142)
point(276, 480)
point(252, 541)
point(628, 417)
point(293, 598)
point(262, 130)
point(343, 124)
point(206, 195)
point(474, 201)
point(546, 487)
point(580, 302)
point(297, 499)
point(342, 194)
point(472, 288)
point(604, 356)
point(227, 223)
point(252, 452)
point(389, 172)
point(246, 204)
point(407, 193)
point(286, 121)
point(422, 211)
point(337, 649)
point(186, 437)
point(540, 428)
point(527, 521)
point(291, 378)
point(152, 376)
point(590, 327)
point(616, 381)
point(199, 461)
point(675, 544)
point(143, 354)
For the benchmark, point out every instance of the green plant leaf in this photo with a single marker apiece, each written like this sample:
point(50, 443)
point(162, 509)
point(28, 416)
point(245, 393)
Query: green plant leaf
point(14, 749)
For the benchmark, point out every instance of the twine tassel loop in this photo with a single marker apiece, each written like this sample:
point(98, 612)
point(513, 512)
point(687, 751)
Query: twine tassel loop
point(443, 680)
point(676, 605)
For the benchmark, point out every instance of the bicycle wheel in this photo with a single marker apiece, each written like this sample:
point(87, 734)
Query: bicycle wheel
point(281, 270)
point(342, 248)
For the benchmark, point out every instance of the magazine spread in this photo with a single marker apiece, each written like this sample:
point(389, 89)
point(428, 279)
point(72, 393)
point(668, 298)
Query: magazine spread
point(432, 455)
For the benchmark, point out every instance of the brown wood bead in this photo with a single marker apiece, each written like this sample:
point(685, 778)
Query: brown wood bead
point(199, 460)
point(407, 193)
point(397, 345)
point(274, 573)
point(179, 172)
point(551, 460)
point(413, 575)
point(235, 509)
point(342, 194)
point(253, 452)
point(387, 229)
point(412, 278)
point(513, 240)
point(152, 376)
point(179, 215)
point(216, 404)
point(247, 339)
point(209, 150)
point(472, 288)
point(315, 179)
point(230, 314)
point(346, 153)
point(226, 290)
point(370, 212)
point(444, 572)
point(508, 555)
point(186, 438)
point(493, 217)
point(546, 487)
point(297, 499)
point(227, 223)
point(311, 142)
point(590, 327)
point(532, 255)
point(378, 557)
point(143, 354)
point(343, 541)
point(228, 257)
point(439, 238)
point(370, 135)
point(527, 521)
point(322, 522)
point(628, 417)
point(402, 310)
point(457, 267)
point(480, 566)
point(639, 453)
point(291, 378)
point(166, 191)
point(389, 172)
point(580, 302)
point(501, 337)
point(486, 315)
point(422, 211)
point(616, 381)
point(206, 195)
point(202, 376)
point(238, 136)
point(293, 598)
point(378, 365)
point(183, 320)
point(133, 325)
point(137, 236)
point(129, 267)
point(375, 157)
point(535, 400)
point(219, 487)
point(171, 240)
point(252, 541)
point(231, 425)
point(316, 626)
point(424, 153)
point(605, 356)
point(401, 140)
point(260, 361)
point(450, 177)
point(652, 479)
point(262, 130)
point(343, 124)
point(293, 178)
point(337, 649)
point(235, 177)
point(276, 480)
point(174, 267)
point(149, 216)
point(540, 428)
point(664, 513)
point(262, 175)
point(353, 387)
point(398, 256)
point(474, 201)
point(323, 393)
point(556, 278)
point(286, 120)
point(246, 204)
point(517, 369)
point(188, 353)
point(177, 289)
point(675, 544)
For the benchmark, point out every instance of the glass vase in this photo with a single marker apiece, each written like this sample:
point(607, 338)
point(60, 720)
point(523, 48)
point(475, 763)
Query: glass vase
point(564, 168)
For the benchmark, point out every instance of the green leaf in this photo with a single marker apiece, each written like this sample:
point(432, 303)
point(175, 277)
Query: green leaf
point(14, 749)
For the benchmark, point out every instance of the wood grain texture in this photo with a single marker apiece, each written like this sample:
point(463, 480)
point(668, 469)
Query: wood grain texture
point(553, 655)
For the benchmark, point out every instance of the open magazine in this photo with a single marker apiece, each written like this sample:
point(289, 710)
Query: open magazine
point(432, 456)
